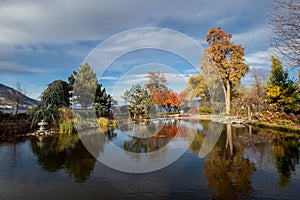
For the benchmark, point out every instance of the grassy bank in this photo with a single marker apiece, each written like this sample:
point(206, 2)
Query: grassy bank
point(284, 128)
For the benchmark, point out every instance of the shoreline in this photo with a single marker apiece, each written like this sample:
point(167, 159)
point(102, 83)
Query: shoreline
point(234, 120)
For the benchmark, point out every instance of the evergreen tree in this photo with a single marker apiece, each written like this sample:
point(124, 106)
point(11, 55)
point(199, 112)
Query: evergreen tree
point(83, 85)
point(139, 100)
point(55, 96)
point(103, 102)
point(86, 91)
point(282, 93)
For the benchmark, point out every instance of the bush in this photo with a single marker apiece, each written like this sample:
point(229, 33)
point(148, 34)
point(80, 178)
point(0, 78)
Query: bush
point(218, 107)
point(205, 110)
point(103, 122)
point(284, 122)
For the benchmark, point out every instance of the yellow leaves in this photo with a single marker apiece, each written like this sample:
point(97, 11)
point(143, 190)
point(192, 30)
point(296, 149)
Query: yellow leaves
point(274, 91)
point(196, 86)
point(227, 56)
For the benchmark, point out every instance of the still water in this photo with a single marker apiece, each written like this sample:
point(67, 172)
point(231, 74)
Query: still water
point(245, 163)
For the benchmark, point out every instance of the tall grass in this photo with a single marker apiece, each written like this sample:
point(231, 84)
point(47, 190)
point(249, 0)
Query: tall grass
point(106, 123)
point(66, 124)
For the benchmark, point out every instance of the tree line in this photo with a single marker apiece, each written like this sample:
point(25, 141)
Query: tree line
point(220, 84)
point(81, 91)
point(154, 95)
point(223, 66)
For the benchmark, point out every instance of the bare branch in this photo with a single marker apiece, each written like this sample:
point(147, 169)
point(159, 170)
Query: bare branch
point(284, 23)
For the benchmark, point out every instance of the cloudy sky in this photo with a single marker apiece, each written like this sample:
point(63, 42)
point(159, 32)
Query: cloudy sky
point(42, 41)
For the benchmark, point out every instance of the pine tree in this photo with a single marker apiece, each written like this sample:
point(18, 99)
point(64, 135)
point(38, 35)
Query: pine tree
point(83, 85)
point(139, 100)
point(282, 93)
point(87, 91)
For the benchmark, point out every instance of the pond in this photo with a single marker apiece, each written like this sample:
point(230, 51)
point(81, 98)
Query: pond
point(158, 160)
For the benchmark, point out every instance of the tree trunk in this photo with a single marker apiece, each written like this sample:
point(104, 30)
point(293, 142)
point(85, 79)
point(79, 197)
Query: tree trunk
point(249, 112)
point(17, 108)
point(227, 97)
point(229, 141)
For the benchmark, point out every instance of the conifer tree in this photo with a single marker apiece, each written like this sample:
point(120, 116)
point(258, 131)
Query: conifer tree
point(282, 93)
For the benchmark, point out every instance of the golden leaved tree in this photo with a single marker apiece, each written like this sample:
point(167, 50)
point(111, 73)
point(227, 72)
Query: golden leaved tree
point(228, 58)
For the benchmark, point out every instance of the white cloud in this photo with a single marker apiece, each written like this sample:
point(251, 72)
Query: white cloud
point(7, 67)
point(258, 36)
point(163, 39)
point(259, 57)
point(191, 71)
point(67, 21)
point(108, 78)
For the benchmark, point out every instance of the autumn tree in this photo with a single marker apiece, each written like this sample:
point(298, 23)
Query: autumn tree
point(182, 99)
point(212, 79)
point(172, 102)
point(197, 87)
point(251, 97)
point(159, 97)
point(259, 86)
point(139, 101)
point(228, 58)
point(282, 93)
point(157, 87)
point(157, 82)
point(284, 22)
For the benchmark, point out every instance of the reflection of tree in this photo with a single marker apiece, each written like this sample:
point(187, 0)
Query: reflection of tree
point(286, 157)
point(49, 153)
point(80, 163)
point(228, 173)
point(154, 143)
point(205, 139)
point(197, 143)
point(54, 153)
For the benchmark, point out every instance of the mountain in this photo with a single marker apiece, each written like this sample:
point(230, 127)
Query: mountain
point(8, 98)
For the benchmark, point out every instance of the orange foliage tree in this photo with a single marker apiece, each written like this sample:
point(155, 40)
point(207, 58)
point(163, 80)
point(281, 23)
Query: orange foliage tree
point(172, 102)
point(228, 59)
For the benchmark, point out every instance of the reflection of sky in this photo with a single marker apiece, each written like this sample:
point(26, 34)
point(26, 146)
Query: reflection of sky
point(262, 157)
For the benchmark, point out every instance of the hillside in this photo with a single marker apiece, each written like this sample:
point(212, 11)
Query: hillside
point(7, 96)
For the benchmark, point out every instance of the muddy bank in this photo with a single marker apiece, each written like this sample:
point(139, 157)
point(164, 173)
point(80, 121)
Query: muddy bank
point(14, 128)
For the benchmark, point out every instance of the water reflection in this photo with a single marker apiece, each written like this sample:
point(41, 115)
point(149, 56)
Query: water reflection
point(228, 167)
point(64, 152)
point(159, 140)
point(228, 173)
point(286, 153)
point(273, 151)
point(233, 169)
